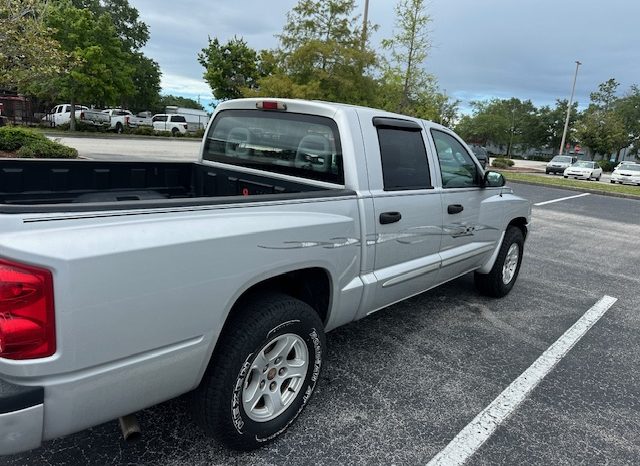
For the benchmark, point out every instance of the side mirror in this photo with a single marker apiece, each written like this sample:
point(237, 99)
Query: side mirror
point(493, 179)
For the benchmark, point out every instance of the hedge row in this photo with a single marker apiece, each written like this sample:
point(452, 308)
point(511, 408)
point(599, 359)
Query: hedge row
point(27, 143)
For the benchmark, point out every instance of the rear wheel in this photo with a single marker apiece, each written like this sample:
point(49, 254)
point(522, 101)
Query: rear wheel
point(119, 128)
point(174, 131)
point(504, 273)
point(263, 372)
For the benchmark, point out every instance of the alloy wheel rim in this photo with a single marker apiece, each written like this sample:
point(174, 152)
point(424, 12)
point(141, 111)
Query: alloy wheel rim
point(510, 264)
point(276, 377)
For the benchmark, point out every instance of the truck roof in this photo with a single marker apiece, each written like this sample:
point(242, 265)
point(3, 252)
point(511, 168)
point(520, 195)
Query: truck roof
point(319, 107)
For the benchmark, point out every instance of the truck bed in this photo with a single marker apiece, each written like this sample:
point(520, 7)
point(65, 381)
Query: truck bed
point(32, 186)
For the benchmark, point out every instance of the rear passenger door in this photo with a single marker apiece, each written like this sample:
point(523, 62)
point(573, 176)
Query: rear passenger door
point(468, 217)
point(407, 210)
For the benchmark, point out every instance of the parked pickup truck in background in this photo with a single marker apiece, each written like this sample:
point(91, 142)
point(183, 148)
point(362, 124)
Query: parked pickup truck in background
point(61, 114)
point(124, 284)
point(121, 119)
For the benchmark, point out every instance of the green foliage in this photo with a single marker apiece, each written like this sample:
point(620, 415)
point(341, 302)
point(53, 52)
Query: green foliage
point(230, 68)
point(80, 126)
point(14, 137)
point(46, 149)
point(409, 47)
point(29, 143)
point(172, 100)
point(133, 33)
point(606, 165)
point(552, 123)
point(321, 56)
point(500, 162)
point(507, 122)
point(28, 52)
point(142, 131)
point(145, 80)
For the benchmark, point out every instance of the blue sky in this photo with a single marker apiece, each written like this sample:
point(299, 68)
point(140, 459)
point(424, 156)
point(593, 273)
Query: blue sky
point(481, 48)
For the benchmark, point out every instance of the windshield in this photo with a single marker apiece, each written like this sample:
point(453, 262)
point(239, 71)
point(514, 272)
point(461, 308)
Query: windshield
point(584, 165)
point(630, 166)
point(294, 144)
point(561, 159)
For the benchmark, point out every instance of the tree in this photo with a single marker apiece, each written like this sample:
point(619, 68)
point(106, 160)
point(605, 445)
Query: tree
point(231, 69)
point(133, 32)
point(628, 108)
point(178, 101)
point(409, 48)
point(322, 55)
point(98, 69)
point(133, 35)
point(552, 121)
point(602, 127)
point(28, 52)
point(145, 82)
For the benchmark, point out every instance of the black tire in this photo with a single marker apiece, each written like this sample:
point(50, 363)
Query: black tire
point(492, 283)
point(217, 403)
point(119, 128)
point(612, 182)
point(174, 132)
point(566, 177)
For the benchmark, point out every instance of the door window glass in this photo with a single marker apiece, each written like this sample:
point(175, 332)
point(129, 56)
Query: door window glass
point(456, 165)
point(404, 159)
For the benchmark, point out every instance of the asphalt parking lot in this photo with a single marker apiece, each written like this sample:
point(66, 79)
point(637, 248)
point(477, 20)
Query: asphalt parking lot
point(401, 384)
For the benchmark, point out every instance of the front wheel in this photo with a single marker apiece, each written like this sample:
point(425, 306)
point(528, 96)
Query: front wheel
point(263, 372)
point(504, 273)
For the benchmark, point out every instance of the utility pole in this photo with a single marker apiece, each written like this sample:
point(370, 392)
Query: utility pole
point(566, 122)
point(365, 24)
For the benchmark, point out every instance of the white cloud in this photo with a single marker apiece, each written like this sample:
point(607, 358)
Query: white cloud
point(185, 85)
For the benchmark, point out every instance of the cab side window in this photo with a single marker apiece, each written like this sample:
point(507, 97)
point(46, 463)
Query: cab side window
point(404, 157)
point(456, 165)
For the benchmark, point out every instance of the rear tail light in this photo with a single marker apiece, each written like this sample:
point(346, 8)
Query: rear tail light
point(27, 318)
point(126, 121)
point(184, 126)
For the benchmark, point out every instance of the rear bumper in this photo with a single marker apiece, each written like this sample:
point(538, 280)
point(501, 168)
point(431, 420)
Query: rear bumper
point(21, 417)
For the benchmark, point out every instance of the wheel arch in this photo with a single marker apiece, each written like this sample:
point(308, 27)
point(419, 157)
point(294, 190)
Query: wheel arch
point(521, 223)
point(312, 285)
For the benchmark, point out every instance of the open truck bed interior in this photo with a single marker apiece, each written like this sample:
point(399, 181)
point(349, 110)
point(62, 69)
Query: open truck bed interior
point(31, 186)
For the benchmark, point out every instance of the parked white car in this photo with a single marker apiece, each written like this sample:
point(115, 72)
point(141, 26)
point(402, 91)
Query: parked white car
point(584, 170)
point(174, 123)
point(61, 114)
point(626, 172)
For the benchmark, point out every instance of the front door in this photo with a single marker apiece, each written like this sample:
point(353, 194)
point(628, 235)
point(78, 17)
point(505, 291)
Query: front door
point(469, 233)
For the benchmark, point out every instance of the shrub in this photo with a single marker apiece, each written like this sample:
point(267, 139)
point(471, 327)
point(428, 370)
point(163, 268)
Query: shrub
point(163, 133)
point(46, 149)
point(13, 138)
point(501, 162)
point(606, 165)
point(142, 131)
point(80, 126)
point(197, 134)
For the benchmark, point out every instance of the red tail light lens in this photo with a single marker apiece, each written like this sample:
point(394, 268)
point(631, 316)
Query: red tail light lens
point(27, 318)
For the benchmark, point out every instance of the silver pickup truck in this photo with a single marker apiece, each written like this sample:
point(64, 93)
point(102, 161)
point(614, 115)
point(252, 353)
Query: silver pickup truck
point(124, 284)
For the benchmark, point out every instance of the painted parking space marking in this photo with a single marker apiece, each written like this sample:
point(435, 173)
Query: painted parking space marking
point(561, 199)
point(478, 431)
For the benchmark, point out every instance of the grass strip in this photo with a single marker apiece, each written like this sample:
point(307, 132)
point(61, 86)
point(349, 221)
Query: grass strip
point(587, 186)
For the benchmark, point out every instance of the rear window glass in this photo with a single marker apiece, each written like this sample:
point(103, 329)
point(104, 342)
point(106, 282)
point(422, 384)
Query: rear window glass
point(178, 119)
point(295, 144)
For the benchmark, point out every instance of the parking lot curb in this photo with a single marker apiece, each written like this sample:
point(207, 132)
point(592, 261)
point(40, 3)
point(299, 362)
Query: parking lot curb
point(582, 190)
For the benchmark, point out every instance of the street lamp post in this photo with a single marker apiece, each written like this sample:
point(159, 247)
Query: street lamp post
point(566, 122)
point(365, 23)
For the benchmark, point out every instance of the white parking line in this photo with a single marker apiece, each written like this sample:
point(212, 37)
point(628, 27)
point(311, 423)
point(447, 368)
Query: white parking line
point(561, 199)
point(478, 431)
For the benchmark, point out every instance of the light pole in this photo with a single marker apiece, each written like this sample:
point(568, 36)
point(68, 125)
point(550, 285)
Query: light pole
point(365, 24)
point(566, 122)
